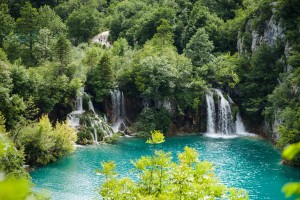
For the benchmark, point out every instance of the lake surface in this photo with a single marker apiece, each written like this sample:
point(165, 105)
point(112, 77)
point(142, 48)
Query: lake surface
point(249, 162)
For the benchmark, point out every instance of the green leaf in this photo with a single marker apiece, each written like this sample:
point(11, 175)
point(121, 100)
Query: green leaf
point(156, 138)
point(291, 151)
point(291, 189)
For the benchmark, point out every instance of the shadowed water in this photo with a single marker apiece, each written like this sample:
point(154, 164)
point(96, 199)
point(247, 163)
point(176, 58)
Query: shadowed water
point(249, 163)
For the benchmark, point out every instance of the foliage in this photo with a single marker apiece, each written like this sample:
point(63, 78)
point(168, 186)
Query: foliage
point(152, 119)
point(93, 54)
point(50, 86)
point(156, 138)
point(43, 143)
point(12, 105)
point(14, 180)
point(291, 188)
point(291, 151)
point(160, 178)
point(263, 69)
point(200, 17)
point(49, 19)
point(288, 14)
point(114, 138)
point(199, 48)
point(7, 23)
point(284, 106)
point(11, 159)
point(62, 51)
point(100, 79)
point(2, 123)
point(12, 188)
point(137, 21)
point(222, 71)
point(224, 9)
point(83, 23)
point(27, 26)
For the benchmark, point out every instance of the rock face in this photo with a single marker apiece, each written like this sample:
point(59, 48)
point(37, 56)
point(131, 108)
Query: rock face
point(102, 38)
point(249, 42)
point(271, 34)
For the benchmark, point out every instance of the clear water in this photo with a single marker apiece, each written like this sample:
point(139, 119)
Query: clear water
point(249, 163)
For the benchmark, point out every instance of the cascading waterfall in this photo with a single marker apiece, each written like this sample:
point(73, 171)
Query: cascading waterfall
point(219, 119)
point(225, 120)
point(96, 122)
point(118, 110)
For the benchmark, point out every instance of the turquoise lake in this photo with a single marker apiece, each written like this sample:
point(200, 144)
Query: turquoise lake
point(250, 163)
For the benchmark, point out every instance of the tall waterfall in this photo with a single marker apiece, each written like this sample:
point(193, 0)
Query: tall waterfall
point(211, 113)
point(118, 109)
point(219, 115)
point(225, 120)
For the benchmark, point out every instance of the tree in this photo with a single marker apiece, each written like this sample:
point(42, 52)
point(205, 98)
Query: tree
point(12, 105)
point(160, 178)
point(221, 71)
point(200, 17)
point(83, 23)
point(199, 48)
point(157, 77)
point(7, 23)
point(47, 18)
point(43, 48)
point(62, 51)
point(100, 79)
point(164, 34)
point(28, 27)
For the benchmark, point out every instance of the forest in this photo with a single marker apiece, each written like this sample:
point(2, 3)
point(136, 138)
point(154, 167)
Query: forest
point(162, 57)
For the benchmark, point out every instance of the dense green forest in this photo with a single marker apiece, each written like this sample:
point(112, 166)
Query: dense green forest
point(161, 51)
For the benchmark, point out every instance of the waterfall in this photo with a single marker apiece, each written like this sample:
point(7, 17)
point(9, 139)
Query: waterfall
point(74, 116)
point(100, 123)
point(96, 122)
point(240, 127)
point(211, 113)
point(225, 121)
point(118, 109)
point(219, 116)
point(91, 107)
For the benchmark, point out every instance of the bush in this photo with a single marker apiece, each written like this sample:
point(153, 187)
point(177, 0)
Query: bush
point(43, 143)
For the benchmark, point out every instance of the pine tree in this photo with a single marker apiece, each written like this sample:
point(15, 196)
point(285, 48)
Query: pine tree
point(28, 27)
point(62, 52)
point(7, 23)
point(100, 79)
